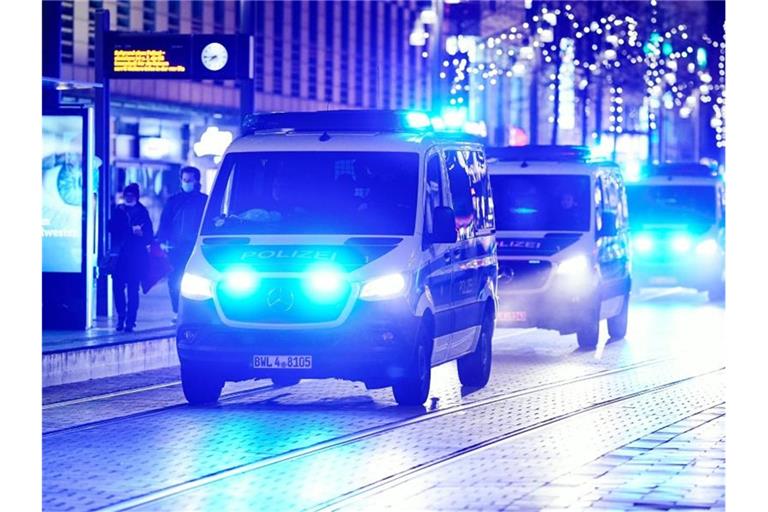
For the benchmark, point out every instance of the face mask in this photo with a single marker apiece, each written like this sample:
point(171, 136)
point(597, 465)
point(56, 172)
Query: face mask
point(130, 203)
point(187, 186)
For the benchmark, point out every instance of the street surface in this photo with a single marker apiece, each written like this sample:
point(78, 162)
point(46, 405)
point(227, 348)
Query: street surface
point(637, 424)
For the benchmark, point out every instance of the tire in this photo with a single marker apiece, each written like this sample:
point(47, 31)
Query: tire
point(200, 386)
point(617, 325)
point(284, 382)
point(413, 388)
point(475, 368)
point(588, 332)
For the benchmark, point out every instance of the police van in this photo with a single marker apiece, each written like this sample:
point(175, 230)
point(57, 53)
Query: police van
point(344, 244)
point(562, 235)
point(678, 227)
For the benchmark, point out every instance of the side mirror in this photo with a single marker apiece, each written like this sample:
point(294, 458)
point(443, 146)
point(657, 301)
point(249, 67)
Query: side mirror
point(609, 225)
point(443, 225)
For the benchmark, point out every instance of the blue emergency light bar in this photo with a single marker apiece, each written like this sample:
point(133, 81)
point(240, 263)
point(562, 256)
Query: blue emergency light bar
point(534, 153)
point(340, 121)
point(680, 169)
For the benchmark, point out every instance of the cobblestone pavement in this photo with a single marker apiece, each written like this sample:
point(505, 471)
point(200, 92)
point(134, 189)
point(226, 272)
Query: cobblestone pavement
point(636, 424)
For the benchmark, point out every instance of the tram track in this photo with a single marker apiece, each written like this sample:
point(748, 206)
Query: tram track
point(372, 432)
point(384, 484)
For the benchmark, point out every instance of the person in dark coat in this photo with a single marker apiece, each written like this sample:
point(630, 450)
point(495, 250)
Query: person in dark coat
point(179, 224)
point(131, 230)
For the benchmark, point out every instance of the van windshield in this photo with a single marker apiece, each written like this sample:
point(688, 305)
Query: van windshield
point(314, 192)
point(694, 204)
point(541, 202)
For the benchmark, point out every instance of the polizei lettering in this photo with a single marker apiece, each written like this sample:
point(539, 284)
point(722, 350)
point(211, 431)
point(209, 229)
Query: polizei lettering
point(520, 244)
point(290, 254)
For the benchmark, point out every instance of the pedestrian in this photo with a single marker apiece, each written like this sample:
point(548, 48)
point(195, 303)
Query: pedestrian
point(179, 224)
point(131, 230)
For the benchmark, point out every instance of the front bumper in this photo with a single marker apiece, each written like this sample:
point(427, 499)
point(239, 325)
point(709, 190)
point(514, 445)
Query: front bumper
point(372, 345)
point(556, 307)
point(701, 273)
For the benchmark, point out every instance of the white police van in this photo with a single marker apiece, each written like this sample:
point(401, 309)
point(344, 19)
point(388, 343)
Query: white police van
point(678, 227)
point(344, 244)
point(562, 241)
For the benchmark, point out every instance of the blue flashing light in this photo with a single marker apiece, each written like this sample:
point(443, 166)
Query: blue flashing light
point(324, 284)
point(681, 243)
point(707, 247)
point(241, 281)
point(417, 120)
point(454, 117)
point(666, 48)
point(643, 244)
point(525, 211)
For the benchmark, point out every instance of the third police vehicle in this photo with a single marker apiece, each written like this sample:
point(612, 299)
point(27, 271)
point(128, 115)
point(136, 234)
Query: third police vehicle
point(678, 227)
point(350, 244)
point(562, 241)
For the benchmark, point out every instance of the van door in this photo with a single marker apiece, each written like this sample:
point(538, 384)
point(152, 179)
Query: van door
point(612, 253)
point(465, 285)
point(438, 260)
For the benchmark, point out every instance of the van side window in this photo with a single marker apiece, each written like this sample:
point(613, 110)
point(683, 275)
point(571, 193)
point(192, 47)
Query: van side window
point(457, 163)
point(434, 190)
point(481, 191)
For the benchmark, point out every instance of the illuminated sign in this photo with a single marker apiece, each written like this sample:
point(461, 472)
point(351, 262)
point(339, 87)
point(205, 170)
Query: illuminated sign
point(199, 56)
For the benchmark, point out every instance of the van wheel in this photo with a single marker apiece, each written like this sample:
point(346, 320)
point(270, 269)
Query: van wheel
point(284, 382)
point(200, 386)
point(413, 388)
point(617, 325)
point(475, 368)
point(588, 332)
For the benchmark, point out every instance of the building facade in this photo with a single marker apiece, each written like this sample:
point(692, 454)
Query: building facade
point(308, 55)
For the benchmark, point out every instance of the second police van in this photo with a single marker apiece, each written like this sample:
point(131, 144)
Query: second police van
point(562, 234)
point(678, 227)
point(349, 244)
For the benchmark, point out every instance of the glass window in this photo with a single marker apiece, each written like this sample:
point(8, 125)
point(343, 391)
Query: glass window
point(355, 193)
point(541, 202)
point(434, 189)
point(458, 166)
point(672, 203)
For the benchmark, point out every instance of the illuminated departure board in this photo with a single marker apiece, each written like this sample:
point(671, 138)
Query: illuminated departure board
point(198, 56)
point(149, 56)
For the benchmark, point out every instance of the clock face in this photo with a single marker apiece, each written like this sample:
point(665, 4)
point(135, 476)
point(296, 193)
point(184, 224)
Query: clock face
point(214, 56)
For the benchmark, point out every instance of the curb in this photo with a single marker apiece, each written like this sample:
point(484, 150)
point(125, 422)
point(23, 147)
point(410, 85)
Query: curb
point(81, 364)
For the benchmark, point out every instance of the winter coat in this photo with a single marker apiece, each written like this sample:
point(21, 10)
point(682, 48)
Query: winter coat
point(180, 222)
point(130, 249)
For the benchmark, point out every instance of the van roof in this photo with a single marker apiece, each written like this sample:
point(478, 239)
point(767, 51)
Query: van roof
point(546, 167)
point(540, 153)
point(290, 140)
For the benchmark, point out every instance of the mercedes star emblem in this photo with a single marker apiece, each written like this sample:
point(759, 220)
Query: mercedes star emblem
point(280, 299)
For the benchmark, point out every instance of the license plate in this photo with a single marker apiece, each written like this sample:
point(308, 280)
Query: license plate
point(513, 316)
point(283, 362)
point(663, 280)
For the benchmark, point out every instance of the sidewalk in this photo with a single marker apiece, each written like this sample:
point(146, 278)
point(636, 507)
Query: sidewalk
point(154, 319)
point(681, 466)
point(75, 356)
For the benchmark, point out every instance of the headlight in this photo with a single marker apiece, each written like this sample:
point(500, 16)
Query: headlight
point(195, 287)
point(643, 243)
point(707, 247)
point(574, 266)
point(325, 284)
point(681, 243)
point(241, 281)
point(383, 287)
